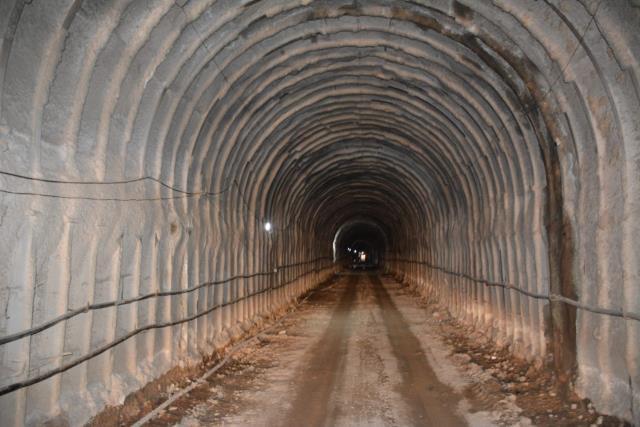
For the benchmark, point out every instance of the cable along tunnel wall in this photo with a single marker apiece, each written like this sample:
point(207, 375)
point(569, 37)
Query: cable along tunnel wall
point(496, 143)
point(121, 307)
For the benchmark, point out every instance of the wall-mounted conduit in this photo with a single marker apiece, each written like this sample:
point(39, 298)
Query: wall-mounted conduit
point(549, 297)
point(39, 378)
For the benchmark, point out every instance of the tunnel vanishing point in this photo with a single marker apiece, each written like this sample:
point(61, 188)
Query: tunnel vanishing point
point(488, 150)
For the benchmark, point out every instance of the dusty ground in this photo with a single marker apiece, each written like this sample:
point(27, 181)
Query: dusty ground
point(365, 351)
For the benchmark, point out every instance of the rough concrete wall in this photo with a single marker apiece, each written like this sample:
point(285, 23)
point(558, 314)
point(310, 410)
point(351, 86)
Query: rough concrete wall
point(496, 143)
point(73, 109)
point(58, 258)
point(592, 65)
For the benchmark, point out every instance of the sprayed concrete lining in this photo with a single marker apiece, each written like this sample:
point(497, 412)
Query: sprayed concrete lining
point(144, 144)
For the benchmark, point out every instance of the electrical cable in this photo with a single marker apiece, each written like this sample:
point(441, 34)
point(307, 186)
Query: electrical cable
point(117, 182)
point(110, 199)
point(156, 411)
point(185, 194)
point(550, 297)
point(31, 381)
point(90, 307)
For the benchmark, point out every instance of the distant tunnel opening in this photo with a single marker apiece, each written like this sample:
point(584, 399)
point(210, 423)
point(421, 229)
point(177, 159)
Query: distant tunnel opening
point(360, 244)
point(485, 152)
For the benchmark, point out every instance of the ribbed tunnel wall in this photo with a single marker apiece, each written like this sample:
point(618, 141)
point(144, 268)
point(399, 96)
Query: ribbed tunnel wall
point(144, 143)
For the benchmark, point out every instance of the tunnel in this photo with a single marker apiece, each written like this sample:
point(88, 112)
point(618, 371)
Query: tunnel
point(171, 171)
point(360, 242)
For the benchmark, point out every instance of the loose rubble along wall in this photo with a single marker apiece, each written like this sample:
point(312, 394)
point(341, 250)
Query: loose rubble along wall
point(495, 143)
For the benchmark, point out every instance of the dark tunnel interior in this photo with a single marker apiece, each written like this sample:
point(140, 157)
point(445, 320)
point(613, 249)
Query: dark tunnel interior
point(360, 244)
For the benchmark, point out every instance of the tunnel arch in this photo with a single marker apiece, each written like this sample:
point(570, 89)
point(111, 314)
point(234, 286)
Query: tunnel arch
point(144, 145)
point(374, 232)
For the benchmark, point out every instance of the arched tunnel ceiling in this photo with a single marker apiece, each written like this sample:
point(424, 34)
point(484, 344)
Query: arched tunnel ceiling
point(316, 111)
point(395, 118)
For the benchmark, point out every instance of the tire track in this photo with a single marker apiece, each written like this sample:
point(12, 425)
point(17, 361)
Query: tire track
point(431, 402)
point(318, 377)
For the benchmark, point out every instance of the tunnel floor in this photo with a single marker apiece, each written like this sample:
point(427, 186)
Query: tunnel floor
point(363, 350)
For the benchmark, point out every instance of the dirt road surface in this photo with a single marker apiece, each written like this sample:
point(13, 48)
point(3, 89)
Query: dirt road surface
point(358, 352)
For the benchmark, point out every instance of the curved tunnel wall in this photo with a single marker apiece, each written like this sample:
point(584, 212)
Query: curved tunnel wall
point(144, 143)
